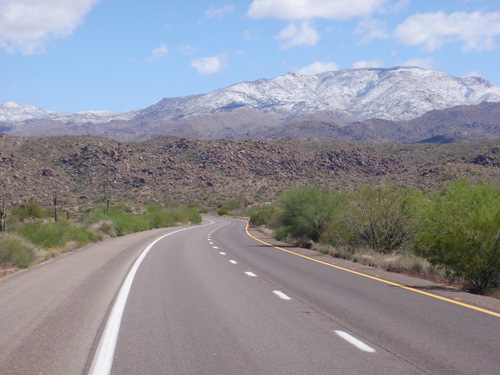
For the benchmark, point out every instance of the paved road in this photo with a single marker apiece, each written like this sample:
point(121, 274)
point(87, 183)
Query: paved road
point(50, 314)
point(212, 300)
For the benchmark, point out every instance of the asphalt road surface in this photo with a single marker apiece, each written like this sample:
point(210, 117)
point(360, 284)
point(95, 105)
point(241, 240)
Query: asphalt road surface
point(212, 300)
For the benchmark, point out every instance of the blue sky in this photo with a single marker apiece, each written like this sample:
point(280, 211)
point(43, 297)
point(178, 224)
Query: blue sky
point(77, 55)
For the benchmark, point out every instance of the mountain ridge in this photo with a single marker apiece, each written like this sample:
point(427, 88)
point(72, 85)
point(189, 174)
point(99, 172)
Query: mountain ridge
point(355, 98)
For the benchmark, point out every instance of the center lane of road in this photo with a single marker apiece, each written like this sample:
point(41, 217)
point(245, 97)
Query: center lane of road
point(191, 311)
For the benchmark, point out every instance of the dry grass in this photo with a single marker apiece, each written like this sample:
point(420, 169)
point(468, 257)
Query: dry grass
point(396, 262)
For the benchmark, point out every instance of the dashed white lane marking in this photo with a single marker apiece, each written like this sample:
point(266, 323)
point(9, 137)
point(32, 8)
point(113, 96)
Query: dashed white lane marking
point(216, 247)
point(251, 274)
point(211, 243)
point(281, 295)
point(222, 253)
point(233, 261)
point(354, 341)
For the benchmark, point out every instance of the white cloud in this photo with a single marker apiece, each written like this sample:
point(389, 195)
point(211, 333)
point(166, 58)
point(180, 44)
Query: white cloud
point(188, 49)
point(339, 10)
point(369, 29)
point(318, 67)
point(219, 12)
point(374, 63)
point(477, 31)
point(209, 65)
point(26, 25)
point(298, 34)
point(251, 35)
point(158, 53)
point(394, 7)
point(423, 62)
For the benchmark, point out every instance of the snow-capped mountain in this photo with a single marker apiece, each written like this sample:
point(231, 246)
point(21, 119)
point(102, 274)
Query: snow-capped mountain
point(287, 105)
point(13, 112)
point(400, 93)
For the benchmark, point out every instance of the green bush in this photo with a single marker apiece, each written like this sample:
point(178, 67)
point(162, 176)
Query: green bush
point(307, 210)
point(55, 234)
point(221, 211)
point(233, 205)
point(282, 232)
point(380, 218)
point(460, 231)
point(15, 250)
point(28, 210)
point(160, 217)
point(193, 215)
point(124, 220)
point(105, 226)
point(267, 215)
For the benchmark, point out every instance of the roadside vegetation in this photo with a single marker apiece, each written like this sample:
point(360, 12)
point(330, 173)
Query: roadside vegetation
point(33, 234)
point(452, 233)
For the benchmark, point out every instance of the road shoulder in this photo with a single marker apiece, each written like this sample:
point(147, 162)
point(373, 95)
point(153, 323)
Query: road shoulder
point(440, 290)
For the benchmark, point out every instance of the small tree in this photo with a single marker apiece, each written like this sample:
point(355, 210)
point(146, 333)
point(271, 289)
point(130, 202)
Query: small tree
point(461, 232)
point(305, 211)
point(380, 218)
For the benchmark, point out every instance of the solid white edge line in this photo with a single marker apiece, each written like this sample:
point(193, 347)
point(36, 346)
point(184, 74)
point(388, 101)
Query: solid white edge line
point(281, 295)
point(354, 341)
point(103, 359)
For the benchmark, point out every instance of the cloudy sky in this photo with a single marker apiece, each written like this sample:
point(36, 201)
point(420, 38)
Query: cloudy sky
point(76, 55)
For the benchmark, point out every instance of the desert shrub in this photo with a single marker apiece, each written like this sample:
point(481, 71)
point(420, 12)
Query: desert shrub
point(379, 218)
point(105, 226)
point(193, 215)
point(267, 215)
point(305, 211)
point(28, 210)
point(282, 232)
point(228, 207)
point(233, 205)
point(221, 211)
point(160, 217)
point(460, 231)
point(15, 250)
point(55, 234)
point(124, 220)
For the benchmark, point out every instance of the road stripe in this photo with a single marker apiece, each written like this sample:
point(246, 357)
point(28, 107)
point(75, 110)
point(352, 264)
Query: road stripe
point(103, 359)
point(281, 295)
point(233, 261)
point(222, 253)
point(251, 274)
point(377, 279)
point(354, 341)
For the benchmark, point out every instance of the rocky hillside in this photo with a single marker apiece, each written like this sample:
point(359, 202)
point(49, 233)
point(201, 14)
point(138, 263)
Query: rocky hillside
point(83, 169)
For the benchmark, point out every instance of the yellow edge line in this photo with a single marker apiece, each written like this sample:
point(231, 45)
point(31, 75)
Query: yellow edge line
point(377, 279)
